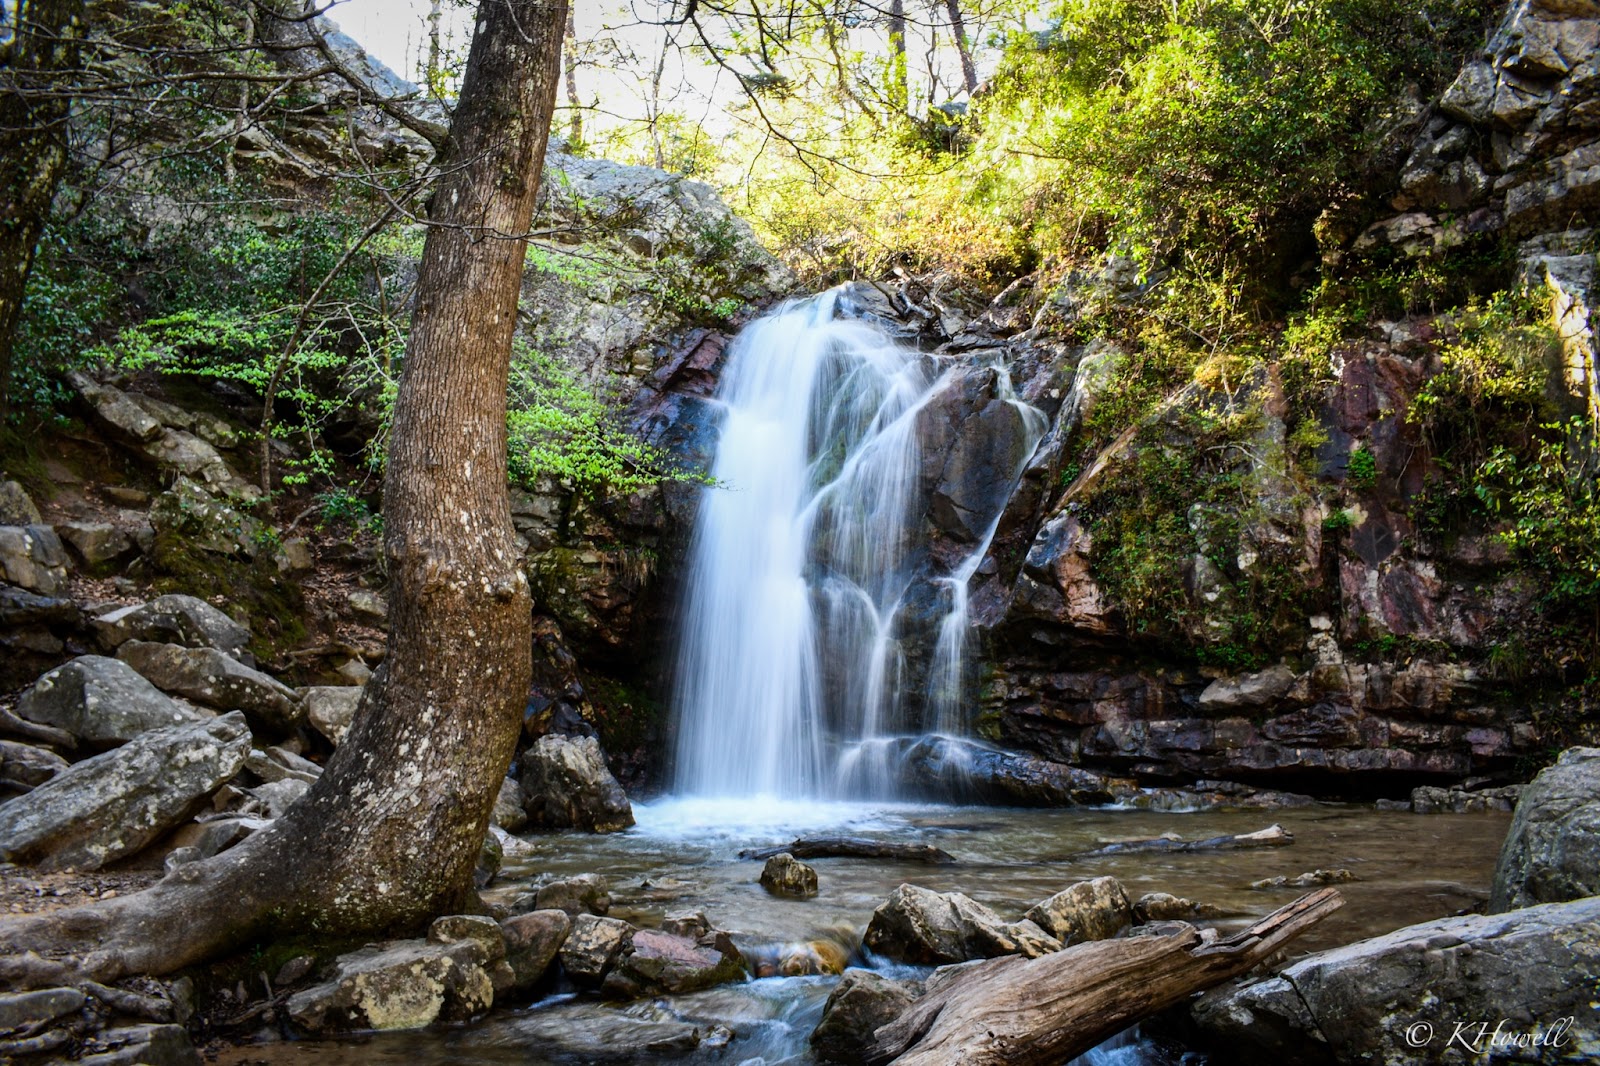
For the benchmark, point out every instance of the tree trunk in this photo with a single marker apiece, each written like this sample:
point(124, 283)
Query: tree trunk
point(388, 836)
point(574, 105)
point(899, 85)
point(46, 41)
point(1013, 1011)
point(958, 30)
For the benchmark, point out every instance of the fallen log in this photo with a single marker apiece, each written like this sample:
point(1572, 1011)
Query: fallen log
point(1013, 1011)
point(853, 848)
point(1273, 836)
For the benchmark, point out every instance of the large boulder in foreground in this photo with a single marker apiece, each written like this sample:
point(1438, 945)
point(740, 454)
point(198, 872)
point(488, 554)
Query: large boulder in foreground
point(112, 805)
point(1552, 851)
point(173, 619)
point(1403, 997)
point(102, 702)
point(928, 928)
point(566, 785)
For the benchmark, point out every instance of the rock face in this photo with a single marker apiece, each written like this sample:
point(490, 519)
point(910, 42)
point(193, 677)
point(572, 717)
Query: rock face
point(33, 558)
point(1089, 910)
point(112, 805)
point(566, 785)
point(102, 702)
point(785, 875)
point(216, 679)
point(918, 925)
point(1552, 851)
point(174, 619)
point(398, 986)
point(862, 1001)
point(1403, 997)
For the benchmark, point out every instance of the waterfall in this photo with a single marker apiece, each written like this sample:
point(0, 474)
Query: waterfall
point(791, 668)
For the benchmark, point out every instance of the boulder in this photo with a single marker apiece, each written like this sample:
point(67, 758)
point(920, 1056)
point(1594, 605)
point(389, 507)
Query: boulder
point(173, 619)
point(928, 928)
point(16, 507)
point(592, 946)
point(38, 1008)
point(187, 517)
point(1552, 850)
point(115, 411)
point(861, 1002)
point(24, 767)
point(962, 769)
point(532, 942)
point(401, 985)
point(579, 894)
point(1416, 994)
point(32, 557)
point(112, 805)
point(369, 606)
point(102, 702)
point(276, 764)
point(19, 608)
point(566, 785)
point(331, 708)
point(657, 963)
point(96, 543)
point(785, 875)
point(216, 679)
point(1430, 799)
point(1089, 910)
point(508, 813)
point(469, 928)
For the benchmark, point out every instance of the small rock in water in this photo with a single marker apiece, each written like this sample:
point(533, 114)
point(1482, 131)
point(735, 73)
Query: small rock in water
point(859, 1004)
point(1165, 907)
point(1306, 880)
point(691, 924)
point(592, 946)
point(581, 894)
point(784, 875)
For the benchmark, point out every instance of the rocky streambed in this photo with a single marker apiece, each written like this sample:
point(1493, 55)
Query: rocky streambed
point(1395, 868)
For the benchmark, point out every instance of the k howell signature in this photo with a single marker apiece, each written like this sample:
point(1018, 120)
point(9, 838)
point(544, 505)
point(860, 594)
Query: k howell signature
point(1479, 1037)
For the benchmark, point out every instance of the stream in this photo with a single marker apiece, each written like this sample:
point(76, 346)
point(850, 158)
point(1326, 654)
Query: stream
point(683, 855)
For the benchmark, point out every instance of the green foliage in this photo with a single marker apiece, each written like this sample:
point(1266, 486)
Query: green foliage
point(1550, 504)
point(343, 507)
point(559, 427)
point(1362, 471)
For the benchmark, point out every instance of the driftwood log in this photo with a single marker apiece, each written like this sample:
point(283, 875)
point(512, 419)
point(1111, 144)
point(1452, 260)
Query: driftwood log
point(1013, 1011)
point(853, 848)
point(1273, 836)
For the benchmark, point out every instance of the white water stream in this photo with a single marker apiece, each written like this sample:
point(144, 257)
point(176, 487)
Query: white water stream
point(792, 668)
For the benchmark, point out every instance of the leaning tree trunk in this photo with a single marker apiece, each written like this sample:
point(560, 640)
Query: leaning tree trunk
point(47, 36)
point(389, 835)
point(958, 30)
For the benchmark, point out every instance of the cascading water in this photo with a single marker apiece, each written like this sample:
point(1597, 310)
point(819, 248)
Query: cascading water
point(791, 664)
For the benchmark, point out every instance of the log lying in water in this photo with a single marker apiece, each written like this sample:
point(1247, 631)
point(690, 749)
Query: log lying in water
point(853, 848)
point(1013, 1011)
point(1273, 836)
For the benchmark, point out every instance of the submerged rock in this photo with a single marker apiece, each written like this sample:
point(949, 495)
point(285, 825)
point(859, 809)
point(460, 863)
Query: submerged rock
point(1165, 907)
point(1306, 880)
point(785, 875)
point(1552, 851)
point(1090, 910)
point(566, 785)
point(115, 804)
point(400, 985)
point(101, 702)
point(918, 925)
point(859, 1004)
point(1405, 996)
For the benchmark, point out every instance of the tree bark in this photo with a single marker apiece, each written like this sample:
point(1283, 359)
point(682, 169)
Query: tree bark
point(958, 30)
point(45, 48)
point(899, 74)
point(574, 104)
point(388, 836)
